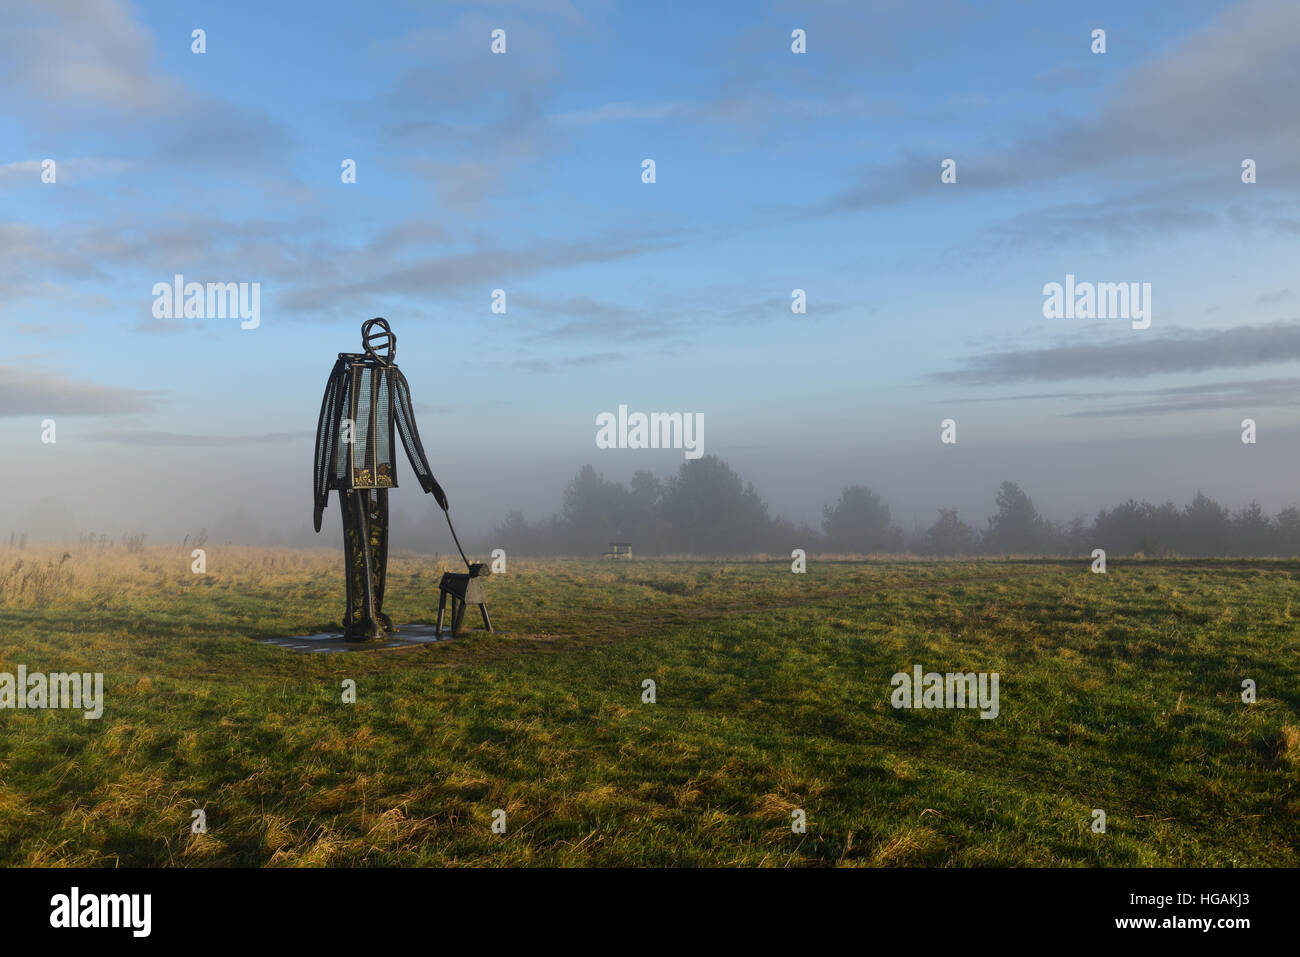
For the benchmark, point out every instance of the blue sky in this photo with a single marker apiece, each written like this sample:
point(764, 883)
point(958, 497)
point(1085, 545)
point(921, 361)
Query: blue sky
point(775, 171)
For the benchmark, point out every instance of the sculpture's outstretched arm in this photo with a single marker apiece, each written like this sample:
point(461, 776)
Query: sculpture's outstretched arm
point(404, 413)
point(327, 441)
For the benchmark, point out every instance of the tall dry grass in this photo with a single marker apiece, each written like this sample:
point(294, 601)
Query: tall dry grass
point(106, 574)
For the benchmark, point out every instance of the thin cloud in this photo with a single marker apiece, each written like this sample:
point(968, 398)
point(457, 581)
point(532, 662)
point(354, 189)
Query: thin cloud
point(171, 439)
point(620, 112)
point(1264, 393)
point(91, 54)
point(90, 66)
point(69, 171)
point(25, 392)
point(1238, 394)
point(554, 365)
point(441, 273)
point(1235, 76)
point(1177, 351)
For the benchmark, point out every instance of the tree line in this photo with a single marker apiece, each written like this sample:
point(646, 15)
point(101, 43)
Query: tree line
point(707, 509)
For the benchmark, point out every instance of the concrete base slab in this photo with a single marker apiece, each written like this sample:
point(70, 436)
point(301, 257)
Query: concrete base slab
point(406, 636)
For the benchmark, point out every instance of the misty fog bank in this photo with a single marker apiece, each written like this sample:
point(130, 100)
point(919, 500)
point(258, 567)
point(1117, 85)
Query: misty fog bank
point(707, 508)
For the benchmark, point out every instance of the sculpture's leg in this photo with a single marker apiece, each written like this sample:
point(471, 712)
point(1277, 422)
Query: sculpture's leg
point(377, 518)
point(353, 573)
point(362, 621)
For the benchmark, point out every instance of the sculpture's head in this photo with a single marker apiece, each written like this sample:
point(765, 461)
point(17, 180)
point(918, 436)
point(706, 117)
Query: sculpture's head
point(386, 349)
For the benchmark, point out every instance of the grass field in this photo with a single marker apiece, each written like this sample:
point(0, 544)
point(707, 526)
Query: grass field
point(1119, 691)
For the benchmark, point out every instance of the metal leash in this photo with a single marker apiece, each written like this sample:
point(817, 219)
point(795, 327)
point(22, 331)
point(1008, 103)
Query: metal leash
point(457, 541)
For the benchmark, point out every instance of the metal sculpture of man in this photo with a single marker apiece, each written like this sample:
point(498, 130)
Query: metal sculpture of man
point(366, 397)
